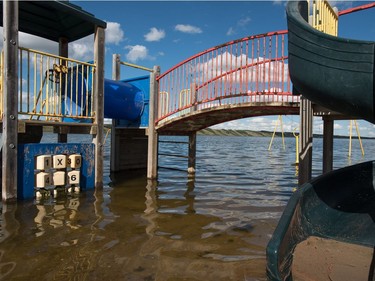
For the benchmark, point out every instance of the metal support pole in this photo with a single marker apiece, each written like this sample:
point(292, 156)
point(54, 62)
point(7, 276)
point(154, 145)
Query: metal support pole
point(99, 104)
point(359, 138)
point(327, 145)
point(279, 120)
point(63, 52)
point(10, 91)
point(297, 147)
point(306, 141)
point(115, 155)
point(350, 137)
point(152, 156)
point(192, 154)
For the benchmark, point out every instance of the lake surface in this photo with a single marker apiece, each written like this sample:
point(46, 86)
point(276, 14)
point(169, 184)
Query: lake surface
point(215, 226)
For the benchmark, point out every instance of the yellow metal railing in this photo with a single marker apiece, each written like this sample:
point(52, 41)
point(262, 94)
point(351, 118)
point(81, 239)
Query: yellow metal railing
point(323, 17)
point(52, 87)
point(163, 103)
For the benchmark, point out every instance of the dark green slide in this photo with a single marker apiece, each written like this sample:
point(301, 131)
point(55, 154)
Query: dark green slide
point(331, 71)
point(339, 206)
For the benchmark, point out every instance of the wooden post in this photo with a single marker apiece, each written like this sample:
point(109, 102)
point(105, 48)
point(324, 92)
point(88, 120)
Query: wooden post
point(115, 153)
point(306, 141)
point(99, 104)
point(327, 145)
point(10, 91)
point(63, 52)
point(192, 154)
point(152, 151)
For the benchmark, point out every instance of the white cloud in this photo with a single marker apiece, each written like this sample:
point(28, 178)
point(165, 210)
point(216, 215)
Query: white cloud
point(187, 28)
point(82, 49)
point(269, 75)
point(337, 126)
point(241, 23)
point(136, 53)
point(262, 123)
point(34, 42)
point(154, 34)
point(341, 4)
point(114, 33)
point(244, 21)
point(230, 31)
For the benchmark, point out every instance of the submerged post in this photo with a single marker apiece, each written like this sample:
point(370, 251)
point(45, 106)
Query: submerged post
point(99, 105)
point(306, 140)
point(10, 92)
point(115, 155)
point(327, 145)
point(192, 154)
point(152, 153)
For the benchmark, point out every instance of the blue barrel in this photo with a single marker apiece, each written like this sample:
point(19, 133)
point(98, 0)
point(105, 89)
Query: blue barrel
point(122, 100)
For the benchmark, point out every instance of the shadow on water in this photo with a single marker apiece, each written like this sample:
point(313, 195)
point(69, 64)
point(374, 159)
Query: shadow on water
point(212, 227)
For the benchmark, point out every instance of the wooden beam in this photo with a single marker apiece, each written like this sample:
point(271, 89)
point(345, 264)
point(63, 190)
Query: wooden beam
point(115, 145)
point(327, 145)
point(152, 150)
point(63, 52)
point(192, 154)
point(10, 91)
point(306, 141)
point(98, 138)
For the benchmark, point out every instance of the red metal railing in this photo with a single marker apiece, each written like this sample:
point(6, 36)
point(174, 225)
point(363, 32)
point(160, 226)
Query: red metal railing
point(357, 9)
point(251, 69)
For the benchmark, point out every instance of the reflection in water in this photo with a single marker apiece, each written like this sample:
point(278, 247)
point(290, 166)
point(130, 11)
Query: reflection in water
point(9, 227)
point(8, 222)
point(214, 226)
point(151, 207)
point(56, 213)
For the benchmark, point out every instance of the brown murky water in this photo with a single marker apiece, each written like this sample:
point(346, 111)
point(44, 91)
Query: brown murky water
point(214, 227)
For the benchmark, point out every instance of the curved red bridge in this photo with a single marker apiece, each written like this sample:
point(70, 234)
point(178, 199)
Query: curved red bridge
point(242, 78)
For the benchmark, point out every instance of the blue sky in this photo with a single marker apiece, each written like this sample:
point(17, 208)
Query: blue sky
point(164, 33)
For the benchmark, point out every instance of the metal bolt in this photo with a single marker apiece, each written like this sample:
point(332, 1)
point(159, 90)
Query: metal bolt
point(12, 146)
point(12, 117)
point(13, 42)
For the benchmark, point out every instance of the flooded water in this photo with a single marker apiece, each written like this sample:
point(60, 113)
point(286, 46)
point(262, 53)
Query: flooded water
point(213, 227)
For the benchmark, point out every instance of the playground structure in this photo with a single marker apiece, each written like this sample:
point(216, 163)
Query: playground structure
point(242, 78)
point(44, 90)
point(209, 88)
point(339, 80)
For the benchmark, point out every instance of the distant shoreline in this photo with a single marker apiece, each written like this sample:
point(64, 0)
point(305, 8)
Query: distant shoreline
point(238, 133)
point(249, 133)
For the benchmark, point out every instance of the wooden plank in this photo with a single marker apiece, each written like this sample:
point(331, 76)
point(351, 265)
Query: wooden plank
point(192, 153)
point(152, 159)
point(10, 90)
point(99, 104)
point(306, 139)
point(327, 145)
point(63, 52)
point(132, 152)
point(115, 148)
